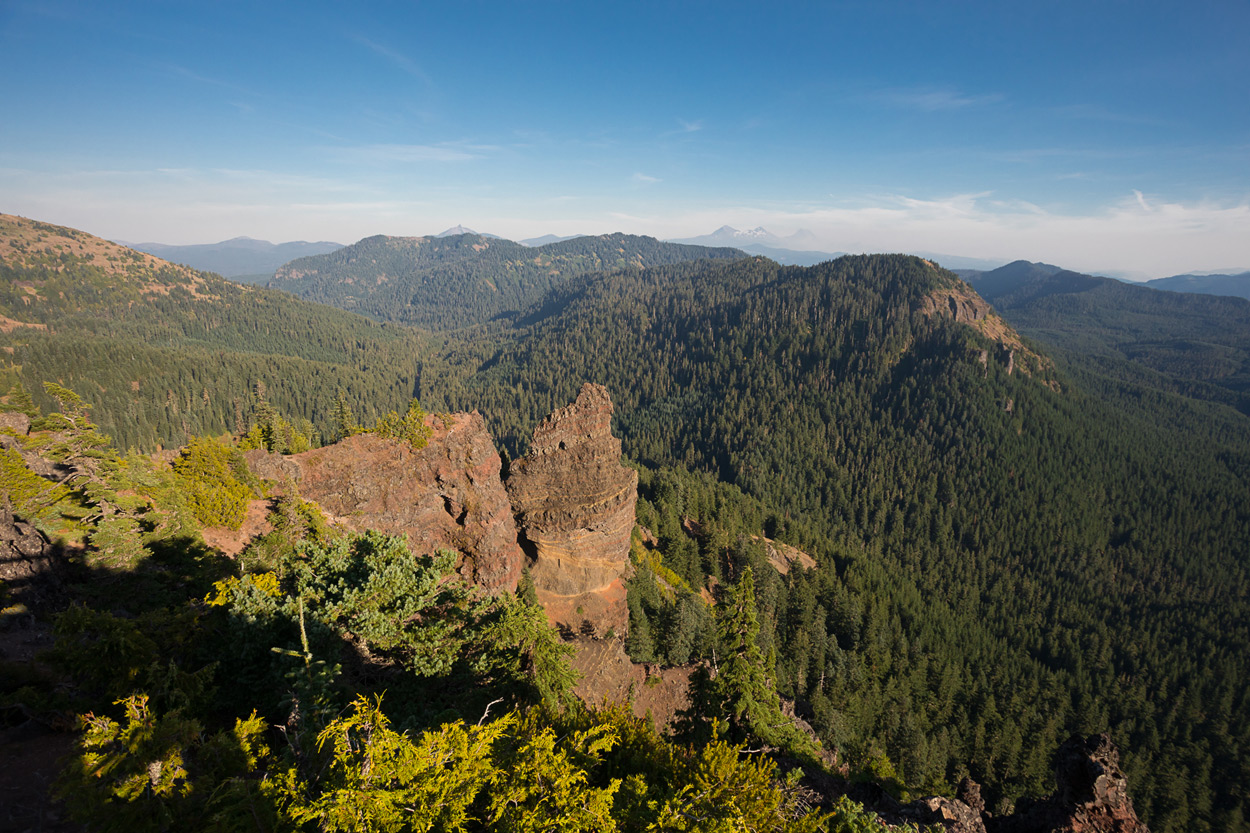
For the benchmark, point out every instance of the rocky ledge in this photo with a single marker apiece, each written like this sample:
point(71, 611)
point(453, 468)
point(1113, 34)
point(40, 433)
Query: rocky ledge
point(445, 495)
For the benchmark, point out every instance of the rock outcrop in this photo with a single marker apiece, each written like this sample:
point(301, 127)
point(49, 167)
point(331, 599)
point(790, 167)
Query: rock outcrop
point(574, 503)
point(951, 815)
point(607, 675)
point(29, 565)
point(446, 495)
point(1091, 794)
point(18, 423)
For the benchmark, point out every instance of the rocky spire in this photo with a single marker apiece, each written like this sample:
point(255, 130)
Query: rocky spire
point(574, 503)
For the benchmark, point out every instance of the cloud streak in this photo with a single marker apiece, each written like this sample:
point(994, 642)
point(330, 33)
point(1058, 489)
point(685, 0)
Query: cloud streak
point(386, 154)
point(933, 99)
point(396, 59)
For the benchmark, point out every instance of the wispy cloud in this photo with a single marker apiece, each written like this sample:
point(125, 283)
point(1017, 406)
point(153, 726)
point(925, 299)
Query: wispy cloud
point(643, 179)
point(201, 78)
point(1094, 112)
point(933, 99)
point(684, 128)
point(397, 59)
point(392, 153)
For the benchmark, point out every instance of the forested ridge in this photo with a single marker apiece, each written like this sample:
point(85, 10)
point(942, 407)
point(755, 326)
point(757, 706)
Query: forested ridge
point(166, 352)
point(1192, 344)
point(1012, 543)
point(463, 279)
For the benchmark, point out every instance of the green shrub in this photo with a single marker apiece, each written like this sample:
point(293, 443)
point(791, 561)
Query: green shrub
point(411, 426)
point(215, 479)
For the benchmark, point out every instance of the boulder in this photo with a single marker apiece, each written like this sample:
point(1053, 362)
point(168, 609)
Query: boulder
point(30, 566)
point(15, 421)
point(951, 815)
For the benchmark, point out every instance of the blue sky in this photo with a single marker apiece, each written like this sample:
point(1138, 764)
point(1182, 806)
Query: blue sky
point(1103, 136)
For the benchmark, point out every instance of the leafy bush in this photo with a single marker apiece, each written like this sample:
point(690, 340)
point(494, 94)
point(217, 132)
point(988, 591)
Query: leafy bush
point(161, 772)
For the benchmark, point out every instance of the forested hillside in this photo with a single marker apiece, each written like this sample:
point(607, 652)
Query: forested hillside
point(164, 351)
point(1011, 555)
point(463, 279)
point(1191, 344)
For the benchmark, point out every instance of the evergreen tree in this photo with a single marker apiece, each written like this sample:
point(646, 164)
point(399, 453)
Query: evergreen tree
point(739, 688)
point(345, 424)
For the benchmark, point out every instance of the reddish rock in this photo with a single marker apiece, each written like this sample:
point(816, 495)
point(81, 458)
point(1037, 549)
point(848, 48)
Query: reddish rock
point(1091, 794)
point(269, 465)
point(607, 675)
point(446, 495)
point(574, 502)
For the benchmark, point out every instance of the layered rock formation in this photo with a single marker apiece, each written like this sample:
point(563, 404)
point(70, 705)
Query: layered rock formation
point(570, 495)
point(574, 503)
point(446, 495)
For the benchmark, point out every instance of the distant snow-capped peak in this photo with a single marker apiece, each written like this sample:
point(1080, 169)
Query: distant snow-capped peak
point(730, 232)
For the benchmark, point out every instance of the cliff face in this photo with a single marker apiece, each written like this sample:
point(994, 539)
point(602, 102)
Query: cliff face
point(447, 494)
point(571, 496)
point(574, 502)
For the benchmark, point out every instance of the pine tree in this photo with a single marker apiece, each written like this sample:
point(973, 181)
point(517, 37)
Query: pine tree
point(344, 420)
point(741, 688)
point(19, 400)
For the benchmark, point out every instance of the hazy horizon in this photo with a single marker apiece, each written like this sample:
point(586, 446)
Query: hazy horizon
point(1101, 137)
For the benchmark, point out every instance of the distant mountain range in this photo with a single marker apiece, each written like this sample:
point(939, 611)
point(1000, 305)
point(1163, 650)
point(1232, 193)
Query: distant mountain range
point(758, 236)
point(242, 258)
point(1237, 285)
point(548, 239)
point(248, 260)
point(457, 230)
point(797, 249)
point(794, 250)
